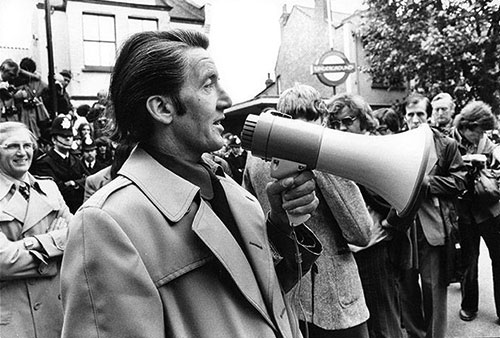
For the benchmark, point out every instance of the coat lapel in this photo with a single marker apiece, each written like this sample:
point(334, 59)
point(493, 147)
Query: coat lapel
point(251, 223)
point(219, 240)
point(38, 208)
point(15, 208)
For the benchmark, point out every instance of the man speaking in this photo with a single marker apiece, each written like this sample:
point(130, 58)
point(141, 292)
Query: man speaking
point(172, 247)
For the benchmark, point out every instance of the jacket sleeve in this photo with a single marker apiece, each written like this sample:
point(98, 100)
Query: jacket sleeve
point(450, 178)
point(106, 289)
point(15, 261)
point(90, 188)
point(289, 250)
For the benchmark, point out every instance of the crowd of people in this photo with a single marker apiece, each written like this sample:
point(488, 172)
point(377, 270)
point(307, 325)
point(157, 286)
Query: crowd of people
point(139, 217)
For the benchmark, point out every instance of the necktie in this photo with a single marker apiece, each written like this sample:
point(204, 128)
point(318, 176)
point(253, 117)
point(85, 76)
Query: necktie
point(24, 190)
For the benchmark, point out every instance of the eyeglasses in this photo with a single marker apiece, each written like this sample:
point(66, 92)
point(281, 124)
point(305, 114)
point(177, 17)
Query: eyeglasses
point(346, 121)
point(15, 147)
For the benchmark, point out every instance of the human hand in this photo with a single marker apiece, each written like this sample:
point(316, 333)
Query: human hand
point(292, 195)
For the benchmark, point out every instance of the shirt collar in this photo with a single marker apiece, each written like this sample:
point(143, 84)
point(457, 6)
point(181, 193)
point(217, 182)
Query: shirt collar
point(61, 154)
point(6, 183)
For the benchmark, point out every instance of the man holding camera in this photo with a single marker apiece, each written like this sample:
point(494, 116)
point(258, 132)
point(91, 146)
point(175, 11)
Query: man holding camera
point(8, 72)
point(64, 105)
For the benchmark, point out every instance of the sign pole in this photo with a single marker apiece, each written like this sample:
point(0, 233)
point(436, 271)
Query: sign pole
point(329, 16)
point(50, 55)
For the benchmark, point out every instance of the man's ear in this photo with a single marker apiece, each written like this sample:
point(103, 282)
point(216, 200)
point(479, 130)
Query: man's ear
point(160, 108)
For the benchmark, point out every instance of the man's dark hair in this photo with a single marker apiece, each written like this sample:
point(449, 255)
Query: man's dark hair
point(28, 64)
point(9, 63)
point(149, 63)
point(388, 117)
point(415, 98)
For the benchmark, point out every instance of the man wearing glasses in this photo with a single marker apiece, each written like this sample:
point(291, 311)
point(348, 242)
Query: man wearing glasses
point(33, 230)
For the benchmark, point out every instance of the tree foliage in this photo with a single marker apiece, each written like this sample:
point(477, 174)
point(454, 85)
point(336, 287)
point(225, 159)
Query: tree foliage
point(436, 45)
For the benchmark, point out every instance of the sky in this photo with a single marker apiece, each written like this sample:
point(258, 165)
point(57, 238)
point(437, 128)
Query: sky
point(245, 38)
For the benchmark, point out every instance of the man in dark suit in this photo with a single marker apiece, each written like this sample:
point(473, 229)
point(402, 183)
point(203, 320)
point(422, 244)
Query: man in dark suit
point(59, 163)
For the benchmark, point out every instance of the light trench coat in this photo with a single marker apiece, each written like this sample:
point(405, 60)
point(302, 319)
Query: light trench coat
point(141, 257)
point(30, 300)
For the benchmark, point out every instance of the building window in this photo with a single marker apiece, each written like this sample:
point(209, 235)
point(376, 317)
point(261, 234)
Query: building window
point(136, 25)
point(99, 41)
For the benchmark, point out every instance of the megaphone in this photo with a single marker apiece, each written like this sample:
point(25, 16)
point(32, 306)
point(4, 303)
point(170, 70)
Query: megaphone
point(393, 166)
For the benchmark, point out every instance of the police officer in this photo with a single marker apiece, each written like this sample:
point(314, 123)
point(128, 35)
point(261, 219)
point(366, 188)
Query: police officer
point(89, 156)
point(59, 163)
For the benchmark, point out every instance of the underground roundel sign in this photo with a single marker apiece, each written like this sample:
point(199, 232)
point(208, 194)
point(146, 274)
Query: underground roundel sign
point(333, 68)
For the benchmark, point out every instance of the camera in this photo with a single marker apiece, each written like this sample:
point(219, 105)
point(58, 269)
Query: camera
point(9, 111)
point(29, 103)
point(7, 93)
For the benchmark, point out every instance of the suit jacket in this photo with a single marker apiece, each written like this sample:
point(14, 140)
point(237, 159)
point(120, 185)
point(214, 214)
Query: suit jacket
point(158, 262)
point(30, 302)
point(96, 181)
point(334, 300)
point(446, 181)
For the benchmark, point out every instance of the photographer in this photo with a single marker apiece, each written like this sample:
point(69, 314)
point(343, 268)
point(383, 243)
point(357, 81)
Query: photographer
point(9, 70)
point(477, 219)
point(29, 87)
point(64, 105)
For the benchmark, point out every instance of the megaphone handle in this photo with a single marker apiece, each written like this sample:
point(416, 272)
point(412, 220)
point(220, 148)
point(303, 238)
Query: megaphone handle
point(282, 168)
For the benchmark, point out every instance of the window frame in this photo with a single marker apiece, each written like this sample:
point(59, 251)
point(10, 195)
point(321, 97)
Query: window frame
point(98, 67)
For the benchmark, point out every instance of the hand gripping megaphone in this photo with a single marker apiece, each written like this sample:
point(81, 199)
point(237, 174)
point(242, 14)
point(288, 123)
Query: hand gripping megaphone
point(392, 166)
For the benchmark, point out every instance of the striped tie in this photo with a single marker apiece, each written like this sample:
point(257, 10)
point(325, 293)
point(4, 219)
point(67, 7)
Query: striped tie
point(24, 190)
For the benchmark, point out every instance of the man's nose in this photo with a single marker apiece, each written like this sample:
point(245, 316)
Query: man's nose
point(224, 100)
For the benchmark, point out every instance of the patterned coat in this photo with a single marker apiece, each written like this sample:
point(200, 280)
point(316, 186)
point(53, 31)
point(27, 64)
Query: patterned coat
point(335, 299)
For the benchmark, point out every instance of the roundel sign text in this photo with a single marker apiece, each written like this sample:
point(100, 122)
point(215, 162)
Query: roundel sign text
point(333, 68)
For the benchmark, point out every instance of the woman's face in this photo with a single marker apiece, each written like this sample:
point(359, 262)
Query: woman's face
point(347, 120)
point(85, 131)
point(473, 135)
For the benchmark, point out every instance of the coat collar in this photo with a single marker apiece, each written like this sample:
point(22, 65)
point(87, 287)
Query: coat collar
point(154, 180)
point(39, 205)
point(254, 272)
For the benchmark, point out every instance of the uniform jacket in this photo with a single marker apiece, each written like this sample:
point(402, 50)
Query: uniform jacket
point(148, 245)
point(446, 181)
point(63, 170)
point(335, 300)
point(30, 302)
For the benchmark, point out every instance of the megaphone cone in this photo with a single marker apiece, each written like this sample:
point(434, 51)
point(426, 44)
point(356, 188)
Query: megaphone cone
point(393, 166)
